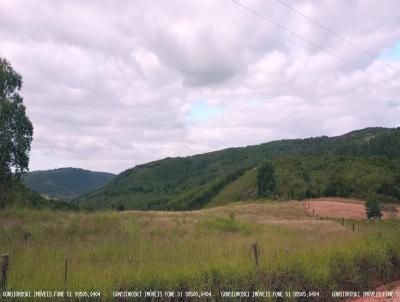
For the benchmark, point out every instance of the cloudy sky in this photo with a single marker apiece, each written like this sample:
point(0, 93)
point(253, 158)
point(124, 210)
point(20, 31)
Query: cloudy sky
point(112, 84)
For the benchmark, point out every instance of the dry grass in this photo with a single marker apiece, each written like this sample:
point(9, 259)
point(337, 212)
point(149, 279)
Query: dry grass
point(346, 208)
point(154, 249)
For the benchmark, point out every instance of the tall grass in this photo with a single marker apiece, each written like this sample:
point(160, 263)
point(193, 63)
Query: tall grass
point(202, 250)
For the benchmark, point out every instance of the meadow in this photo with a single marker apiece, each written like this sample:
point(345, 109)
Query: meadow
point(209, 249)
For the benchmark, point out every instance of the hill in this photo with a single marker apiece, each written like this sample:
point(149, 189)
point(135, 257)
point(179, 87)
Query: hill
point(193, 182)
point(66, 183)
point(20, 196)
point(303, 177)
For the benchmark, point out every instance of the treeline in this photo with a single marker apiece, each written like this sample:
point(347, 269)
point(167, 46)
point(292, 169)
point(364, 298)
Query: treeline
point(332, 175)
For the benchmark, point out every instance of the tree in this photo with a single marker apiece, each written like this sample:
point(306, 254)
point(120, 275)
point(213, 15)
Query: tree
point(15, 129)
point(373, 208)
point(120, 208)
point(266, 180)
point(337, 186)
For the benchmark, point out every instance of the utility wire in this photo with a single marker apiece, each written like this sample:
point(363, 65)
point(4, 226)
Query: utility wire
point(303, 39)
point(330, 31)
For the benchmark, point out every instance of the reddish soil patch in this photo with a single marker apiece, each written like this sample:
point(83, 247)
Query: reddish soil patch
point(394, 288)
point(342, 207)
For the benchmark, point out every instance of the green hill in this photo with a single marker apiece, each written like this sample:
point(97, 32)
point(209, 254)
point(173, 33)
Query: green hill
point(241, 189)
point(301, 177)
point(309, 166)
point(66, 183)
point(20, 196)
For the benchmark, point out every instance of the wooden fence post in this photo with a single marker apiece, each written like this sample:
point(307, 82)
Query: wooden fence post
point(256, 253)
point(5, 261)
point(354, 228)
point(342, 221)
point(65, 271)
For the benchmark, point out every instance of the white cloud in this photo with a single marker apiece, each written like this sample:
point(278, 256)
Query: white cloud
point(109, 85)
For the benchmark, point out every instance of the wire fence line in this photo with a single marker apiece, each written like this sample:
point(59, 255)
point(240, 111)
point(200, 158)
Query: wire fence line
point(64, 270)
point(65, 267)
point(178, 261)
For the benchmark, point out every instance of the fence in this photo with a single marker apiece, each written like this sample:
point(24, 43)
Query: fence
point(5, 260)
point(67, 263)
point(254, 251)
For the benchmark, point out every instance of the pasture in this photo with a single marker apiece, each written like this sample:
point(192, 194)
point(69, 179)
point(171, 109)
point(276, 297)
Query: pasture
point(210, 249)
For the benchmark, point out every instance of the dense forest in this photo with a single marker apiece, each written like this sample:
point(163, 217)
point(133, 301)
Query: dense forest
point(358, 164)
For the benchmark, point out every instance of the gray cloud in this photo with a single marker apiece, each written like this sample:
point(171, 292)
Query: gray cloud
point(109, 85)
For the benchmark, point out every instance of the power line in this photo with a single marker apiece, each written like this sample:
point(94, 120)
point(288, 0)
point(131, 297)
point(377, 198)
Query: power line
point(330, 31)
point(263, 17)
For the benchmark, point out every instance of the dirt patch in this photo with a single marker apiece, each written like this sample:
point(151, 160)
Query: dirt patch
point(342, 207)
point(393, 288)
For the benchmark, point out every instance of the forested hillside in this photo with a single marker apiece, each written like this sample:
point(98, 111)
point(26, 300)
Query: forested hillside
point(20, 196)
point(302, 177)
point(66, 183)
point(355, 164)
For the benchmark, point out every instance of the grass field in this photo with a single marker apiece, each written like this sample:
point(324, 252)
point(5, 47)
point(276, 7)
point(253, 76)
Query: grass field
point(199, 250)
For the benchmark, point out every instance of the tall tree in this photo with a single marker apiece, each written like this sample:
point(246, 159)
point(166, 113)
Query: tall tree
point(373, 208)
point(15, 129)
point(266, 180)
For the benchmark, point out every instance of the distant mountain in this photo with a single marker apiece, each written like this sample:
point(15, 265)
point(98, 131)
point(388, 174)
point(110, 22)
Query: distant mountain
point(356, 164)
point(66, 183)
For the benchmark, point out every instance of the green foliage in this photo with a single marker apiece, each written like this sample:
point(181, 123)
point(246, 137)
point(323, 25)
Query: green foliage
point(66, 183)
point(15, 129)
point(197, 198)
point(336, 185)
point(300, 177)
point(266, 180)
point(19, 196)
point(120, 208)
point(242, 189)
point(373, 208)
point(347, 165)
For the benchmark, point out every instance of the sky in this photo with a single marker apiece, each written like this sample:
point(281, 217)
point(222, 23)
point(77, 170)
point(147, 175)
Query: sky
point(112, 84)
